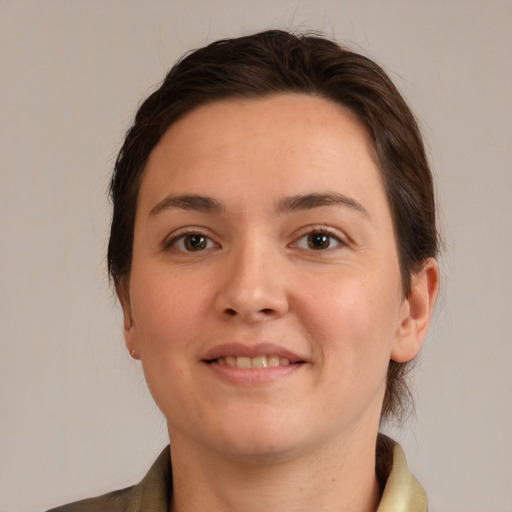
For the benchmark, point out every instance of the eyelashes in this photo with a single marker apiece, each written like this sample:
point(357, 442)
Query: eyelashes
point(192, 240)
point(319, 239)
point(314, 238)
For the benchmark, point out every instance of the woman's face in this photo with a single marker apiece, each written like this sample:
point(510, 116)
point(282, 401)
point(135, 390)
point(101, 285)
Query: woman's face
point(265, 297)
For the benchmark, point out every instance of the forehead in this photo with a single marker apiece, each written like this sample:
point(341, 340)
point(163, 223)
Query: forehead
point(288, 143)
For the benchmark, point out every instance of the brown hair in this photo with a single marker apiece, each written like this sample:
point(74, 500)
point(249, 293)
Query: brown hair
point(275, 62)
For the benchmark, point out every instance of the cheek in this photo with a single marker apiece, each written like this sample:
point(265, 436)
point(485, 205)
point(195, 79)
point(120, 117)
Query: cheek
point(353, 318)
point(167, 313)
point(348, 323)
point(168, 318)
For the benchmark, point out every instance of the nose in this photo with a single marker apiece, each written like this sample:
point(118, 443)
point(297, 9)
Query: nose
point(253, 287)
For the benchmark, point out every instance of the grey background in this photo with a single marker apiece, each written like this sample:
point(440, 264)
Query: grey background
point(76, 418)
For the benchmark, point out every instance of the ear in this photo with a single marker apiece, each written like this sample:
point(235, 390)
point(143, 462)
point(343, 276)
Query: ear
point(416, 312)
point(129, 329)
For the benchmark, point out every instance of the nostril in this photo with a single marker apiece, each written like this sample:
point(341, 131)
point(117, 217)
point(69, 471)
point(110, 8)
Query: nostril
point(264, 311)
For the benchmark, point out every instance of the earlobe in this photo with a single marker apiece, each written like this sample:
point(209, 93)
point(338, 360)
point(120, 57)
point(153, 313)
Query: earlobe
point(129, 330)
point(417, 312)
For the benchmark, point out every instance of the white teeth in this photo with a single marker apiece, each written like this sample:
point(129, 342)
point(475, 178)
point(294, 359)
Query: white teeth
point(273, 361)
point(243, 362)
point(231, 361)
point(253, 362)
point(259, 362)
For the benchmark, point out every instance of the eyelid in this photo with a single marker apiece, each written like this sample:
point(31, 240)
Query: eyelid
point(342, 239)
point(179, 234)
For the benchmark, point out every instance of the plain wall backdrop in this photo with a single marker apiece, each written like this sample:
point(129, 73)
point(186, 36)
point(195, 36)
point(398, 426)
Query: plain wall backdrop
point(76, 417)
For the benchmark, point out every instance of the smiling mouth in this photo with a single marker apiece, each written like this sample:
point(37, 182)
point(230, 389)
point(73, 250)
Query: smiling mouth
point(267, 361)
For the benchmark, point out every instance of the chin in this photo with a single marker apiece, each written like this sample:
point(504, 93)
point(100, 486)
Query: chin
point(258, 450)
point(262, 440)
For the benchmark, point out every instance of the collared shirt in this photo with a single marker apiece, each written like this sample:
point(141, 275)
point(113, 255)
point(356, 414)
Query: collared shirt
point(402, 492)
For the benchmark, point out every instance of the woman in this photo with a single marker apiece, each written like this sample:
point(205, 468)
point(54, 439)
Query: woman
point(273, 247)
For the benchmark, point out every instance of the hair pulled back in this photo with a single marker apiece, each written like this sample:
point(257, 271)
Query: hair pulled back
point(275, 62)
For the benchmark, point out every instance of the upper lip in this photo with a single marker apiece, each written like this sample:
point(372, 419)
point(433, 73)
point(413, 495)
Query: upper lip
point(250, 350)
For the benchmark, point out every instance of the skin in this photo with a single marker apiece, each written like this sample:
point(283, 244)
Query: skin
point(277, 440)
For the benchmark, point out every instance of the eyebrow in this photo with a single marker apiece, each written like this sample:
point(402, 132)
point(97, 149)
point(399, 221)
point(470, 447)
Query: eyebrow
point(318, 200)
point(188, 202)
point(287, 205)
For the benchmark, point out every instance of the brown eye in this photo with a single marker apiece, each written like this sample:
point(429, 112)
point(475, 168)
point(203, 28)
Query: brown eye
point(319, 241)
point(193, 242)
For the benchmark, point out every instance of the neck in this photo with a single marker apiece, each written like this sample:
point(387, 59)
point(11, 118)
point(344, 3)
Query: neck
point(336, 478)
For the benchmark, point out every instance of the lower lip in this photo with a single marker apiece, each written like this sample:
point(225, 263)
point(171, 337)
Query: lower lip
point(252, 376)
